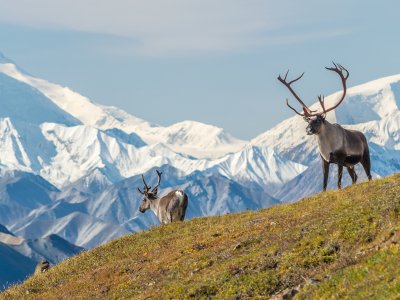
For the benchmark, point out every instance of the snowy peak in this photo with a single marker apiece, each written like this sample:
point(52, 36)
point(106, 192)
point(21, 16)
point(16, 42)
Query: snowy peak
point(188, 132)
point(259, 165)
point(371, 101)
point(11, 146)
point(22, 102)
point(191, 138)
point(73, 104)
point(196, 139)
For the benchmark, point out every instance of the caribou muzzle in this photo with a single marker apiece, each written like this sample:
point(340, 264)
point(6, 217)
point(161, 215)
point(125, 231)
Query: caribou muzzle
point(310, 130)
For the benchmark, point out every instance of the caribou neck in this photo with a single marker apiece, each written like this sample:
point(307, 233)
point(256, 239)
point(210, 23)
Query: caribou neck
point(330, 139)
point(327, 129)
point(155, 206)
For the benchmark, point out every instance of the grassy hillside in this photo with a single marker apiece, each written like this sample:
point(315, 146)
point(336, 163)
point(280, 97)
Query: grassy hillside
point(340, 244)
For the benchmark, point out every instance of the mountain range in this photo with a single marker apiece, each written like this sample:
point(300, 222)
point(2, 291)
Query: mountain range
point(70, 168)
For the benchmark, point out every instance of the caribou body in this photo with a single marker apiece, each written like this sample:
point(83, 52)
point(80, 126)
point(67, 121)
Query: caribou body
point(169, 208)
point(336, 145)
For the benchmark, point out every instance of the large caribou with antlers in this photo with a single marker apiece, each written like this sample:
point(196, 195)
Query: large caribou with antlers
point(170, 208)
point(336, 144)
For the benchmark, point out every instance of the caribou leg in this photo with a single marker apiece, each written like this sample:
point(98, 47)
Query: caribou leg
point(340, 173)
point(325, 168)
point(366, 163)
point(352, 174)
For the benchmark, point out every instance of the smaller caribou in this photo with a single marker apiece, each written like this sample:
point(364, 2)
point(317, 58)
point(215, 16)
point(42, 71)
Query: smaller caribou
point(170, 208)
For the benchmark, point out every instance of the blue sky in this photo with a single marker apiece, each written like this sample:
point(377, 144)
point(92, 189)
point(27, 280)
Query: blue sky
point(211, 61)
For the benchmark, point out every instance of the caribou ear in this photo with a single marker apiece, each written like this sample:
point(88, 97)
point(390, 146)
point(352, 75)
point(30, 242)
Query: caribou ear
point(154, 191)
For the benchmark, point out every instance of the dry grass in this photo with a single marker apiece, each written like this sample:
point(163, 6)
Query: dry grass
point(333, 237)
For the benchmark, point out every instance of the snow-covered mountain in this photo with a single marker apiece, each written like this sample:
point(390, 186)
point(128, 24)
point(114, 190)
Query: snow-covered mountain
point(63, 154)
point(256, 165)
point(188, 137)
point(54, 132)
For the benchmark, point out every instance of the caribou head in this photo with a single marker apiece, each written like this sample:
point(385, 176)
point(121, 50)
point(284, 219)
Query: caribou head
point(315, 124)
point(150, 194)
point(314, 118)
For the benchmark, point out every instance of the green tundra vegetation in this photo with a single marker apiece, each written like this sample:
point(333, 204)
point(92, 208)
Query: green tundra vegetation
point(334, 245)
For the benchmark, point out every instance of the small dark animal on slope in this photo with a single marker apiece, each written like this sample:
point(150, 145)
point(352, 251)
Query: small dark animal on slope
point(336, 145)
point(42, 267)
point(168, 209)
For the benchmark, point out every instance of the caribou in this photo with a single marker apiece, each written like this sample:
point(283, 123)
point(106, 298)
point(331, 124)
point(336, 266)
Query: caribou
point(336, 145)
point(168, 209)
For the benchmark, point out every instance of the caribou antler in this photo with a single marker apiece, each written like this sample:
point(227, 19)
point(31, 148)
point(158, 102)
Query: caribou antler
point(344, 74)
point(321, 100)
point(146, 188)
point(307, 112)
point(154, 190)
point(339, 69)
point(287, 103)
